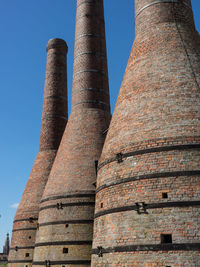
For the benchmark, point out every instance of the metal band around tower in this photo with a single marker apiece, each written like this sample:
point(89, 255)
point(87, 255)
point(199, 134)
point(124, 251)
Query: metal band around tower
point(91, 89)
point(149, 176)
point(94, 53)
point(55, 97)
point(175, 204)
point(84, 195)
point(150, 150)
point(150, 247)
point(26, 219)
point(60, 243)
point(91, 35)
point(24, 229)
point(73, 204)
point(101, 72)
point(74, 262)
point(66, 222)
point(161, 1)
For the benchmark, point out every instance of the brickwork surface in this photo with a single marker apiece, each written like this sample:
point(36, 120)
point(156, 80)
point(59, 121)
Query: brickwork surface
point(148, 177)
point(54, 118)
point(66, 213)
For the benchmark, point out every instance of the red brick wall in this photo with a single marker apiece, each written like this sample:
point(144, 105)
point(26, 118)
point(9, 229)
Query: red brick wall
point(72, 178)
point(155, 127)
point(54, 118)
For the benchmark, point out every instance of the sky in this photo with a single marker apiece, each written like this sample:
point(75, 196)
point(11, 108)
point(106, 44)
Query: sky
point(26, 27)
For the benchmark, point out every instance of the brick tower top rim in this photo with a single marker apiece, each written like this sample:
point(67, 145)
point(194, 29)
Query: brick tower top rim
point(57, 43)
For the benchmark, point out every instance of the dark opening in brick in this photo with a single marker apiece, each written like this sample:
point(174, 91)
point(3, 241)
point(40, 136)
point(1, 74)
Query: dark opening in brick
point(66, 225)
point(101, 205)
point(65, 250)
point(27, 254)
point(26, 265)
point(166, 238)
point(29, 237)
point(96, 166)
point(164, 195)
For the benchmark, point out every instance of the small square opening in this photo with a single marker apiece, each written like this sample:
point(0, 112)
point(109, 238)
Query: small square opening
point(166, 238)
point(66, 225)
point(164, 195)
point(101, 205)
point(29, 237)
point(27, 255)
point(65, 250)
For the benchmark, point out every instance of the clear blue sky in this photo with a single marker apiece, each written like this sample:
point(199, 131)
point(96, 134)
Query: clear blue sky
point(26, 27)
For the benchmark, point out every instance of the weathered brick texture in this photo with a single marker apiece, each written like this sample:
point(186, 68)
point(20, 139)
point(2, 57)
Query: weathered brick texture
point(54, 118)
point(148, 177)
point(66, 213)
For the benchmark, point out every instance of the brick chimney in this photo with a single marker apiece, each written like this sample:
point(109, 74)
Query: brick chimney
point(67, 206)
point(54, 119)
point(6, 246)
point(147, 201)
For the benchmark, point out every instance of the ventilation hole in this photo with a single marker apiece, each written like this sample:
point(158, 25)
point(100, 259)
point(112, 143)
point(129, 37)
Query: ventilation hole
point(66, 225)
point(101, 205)
point(65, 250)
point(166, 239)
point(29, 237)
point(165, 195)
point(27, 254)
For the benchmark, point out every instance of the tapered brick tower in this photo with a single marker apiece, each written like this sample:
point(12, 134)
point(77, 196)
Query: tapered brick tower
point(54, 118)
point(67, 206)
point(148, 194)
point(6, 247)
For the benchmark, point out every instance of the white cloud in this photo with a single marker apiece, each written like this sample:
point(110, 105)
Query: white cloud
point(14, 205)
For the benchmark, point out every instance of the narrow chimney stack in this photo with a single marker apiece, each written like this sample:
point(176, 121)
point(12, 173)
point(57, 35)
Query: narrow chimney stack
point(67, 207)
point(147, 196)
point(54, 119)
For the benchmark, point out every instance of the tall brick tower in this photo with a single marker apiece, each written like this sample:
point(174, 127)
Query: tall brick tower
point(6, 247)
point(67, 206)
point(147, 202)
point(54, 118)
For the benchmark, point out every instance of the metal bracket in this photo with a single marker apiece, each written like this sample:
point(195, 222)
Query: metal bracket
point(141, 208)
point(47, 263)
point(16, 248)
point(100, 251)
point(60, 206)
point(31, 219)
point(119, 157)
